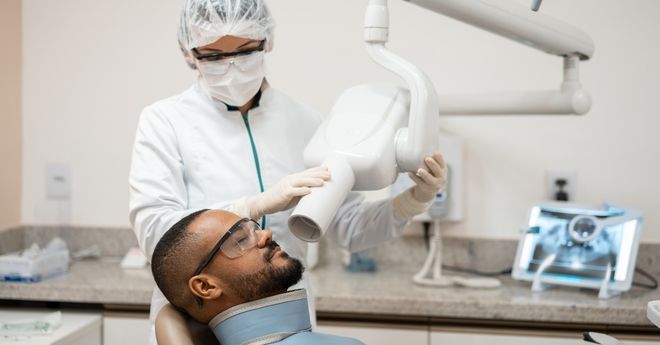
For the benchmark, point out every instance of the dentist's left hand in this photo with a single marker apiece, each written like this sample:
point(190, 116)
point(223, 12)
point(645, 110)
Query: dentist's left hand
point(431, 179)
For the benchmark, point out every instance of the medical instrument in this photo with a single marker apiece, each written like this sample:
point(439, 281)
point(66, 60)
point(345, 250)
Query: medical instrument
point(365, 141)
point(31, 326)
point(283, 194)
point(574, 245)
point(34, 263)
point(446, 206)
point(431, 272)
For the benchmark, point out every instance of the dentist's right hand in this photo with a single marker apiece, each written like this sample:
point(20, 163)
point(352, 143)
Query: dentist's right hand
point(284, 195)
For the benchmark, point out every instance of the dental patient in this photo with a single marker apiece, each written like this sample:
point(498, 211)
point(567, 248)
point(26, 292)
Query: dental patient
point(226, 272)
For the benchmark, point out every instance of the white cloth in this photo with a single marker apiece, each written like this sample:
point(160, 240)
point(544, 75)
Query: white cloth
point(191, 153)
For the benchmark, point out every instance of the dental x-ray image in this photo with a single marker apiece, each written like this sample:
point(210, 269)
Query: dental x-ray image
point(579, 246)
point(589, 259)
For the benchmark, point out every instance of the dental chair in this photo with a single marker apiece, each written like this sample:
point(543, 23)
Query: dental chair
point(175, 328)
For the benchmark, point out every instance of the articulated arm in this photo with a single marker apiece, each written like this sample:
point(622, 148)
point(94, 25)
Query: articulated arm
point(536, 30)
point(510, 20)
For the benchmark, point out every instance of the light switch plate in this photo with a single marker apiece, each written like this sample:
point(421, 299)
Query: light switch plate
point(58, 181)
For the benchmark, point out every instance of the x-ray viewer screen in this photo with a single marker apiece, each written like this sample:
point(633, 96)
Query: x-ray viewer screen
point(549, 234)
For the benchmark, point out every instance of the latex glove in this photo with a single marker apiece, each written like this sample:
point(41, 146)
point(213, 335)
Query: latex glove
point(286, 193)
point(429, 180)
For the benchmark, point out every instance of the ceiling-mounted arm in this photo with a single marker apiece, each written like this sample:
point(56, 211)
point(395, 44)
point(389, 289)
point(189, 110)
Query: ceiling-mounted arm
point(510, 20)
point(536, 30)
point(569, 99)
point(419, 139)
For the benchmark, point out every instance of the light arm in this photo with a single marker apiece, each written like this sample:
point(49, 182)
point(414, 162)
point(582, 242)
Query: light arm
point(419, 139)
point(518, 23)
point(569, 99)
point(510, 20)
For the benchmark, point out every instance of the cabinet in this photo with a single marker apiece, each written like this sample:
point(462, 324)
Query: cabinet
point(77, 328)
point(121, 328)
point(444, 336)
point(375, 333)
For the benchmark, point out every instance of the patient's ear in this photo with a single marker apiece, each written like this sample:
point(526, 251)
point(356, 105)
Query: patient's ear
point(205, 287)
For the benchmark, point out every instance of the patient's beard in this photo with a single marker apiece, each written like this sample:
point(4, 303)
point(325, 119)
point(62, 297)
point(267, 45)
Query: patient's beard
point(269, 281)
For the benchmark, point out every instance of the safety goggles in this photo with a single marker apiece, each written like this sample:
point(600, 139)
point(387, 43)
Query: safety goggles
point(222, 56)
point(240, 238)
point(243, 63)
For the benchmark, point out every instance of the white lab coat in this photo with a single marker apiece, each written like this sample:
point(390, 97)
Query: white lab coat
point(191, 153)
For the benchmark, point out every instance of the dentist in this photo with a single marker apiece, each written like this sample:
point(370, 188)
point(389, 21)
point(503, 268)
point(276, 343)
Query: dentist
point(233, 142)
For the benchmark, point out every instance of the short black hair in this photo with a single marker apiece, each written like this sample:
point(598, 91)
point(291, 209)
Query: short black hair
point(171, 262)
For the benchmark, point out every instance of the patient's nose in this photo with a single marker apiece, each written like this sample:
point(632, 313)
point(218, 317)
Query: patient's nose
point(265, 236)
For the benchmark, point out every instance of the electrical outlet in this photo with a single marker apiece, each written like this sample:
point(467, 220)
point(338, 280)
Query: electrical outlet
point(58, 181)
point(553, 180)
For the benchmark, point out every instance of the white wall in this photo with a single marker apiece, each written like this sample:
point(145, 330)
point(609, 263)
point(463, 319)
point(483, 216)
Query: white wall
point(90, 66)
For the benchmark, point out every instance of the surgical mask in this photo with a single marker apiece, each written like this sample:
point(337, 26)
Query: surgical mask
point(233, 80)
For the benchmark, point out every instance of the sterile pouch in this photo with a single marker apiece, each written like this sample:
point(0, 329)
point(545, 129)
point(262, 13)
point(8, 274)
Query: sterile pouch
point(35, 264)
point(30, 327)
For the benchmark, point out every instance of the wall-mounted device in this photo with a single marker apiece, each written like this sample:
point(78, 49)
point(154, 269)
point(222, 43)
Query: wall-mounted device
point(375, 132)
point(568, 244)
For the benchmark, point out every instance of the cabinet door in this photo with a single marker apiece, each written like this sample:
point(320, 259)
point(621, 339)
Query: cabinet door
point(443, 338)
point(481, 336)
point(374, 333)
point(126, 328)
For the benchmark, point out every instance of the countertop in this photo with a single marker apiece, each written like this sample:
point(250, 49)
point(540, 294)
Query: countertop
point(387, 292)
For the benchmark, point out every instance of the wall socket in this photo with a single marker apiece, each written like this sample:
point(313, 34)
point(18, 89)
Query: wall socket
point(551, 184)
point(58, 181)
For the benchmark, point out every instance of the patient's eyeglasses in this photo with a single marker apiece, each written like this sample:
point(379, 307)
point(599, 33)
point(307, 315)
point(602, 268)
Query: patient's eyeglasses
point(240, 238)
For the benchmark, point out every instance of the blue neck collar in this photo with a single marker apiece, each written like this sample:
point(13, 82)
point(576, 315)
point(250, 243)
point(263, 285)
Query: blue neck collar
point(263, 321)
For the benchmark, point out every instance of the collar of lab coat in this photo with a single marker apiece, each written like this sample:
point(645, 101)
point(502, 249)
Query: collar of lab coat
point(263, 321)
point(255, 104)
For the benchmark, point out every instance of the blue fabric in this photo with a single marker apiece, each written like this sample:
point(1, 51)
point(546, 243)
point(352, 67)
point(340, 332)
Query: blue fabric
point(287, 317)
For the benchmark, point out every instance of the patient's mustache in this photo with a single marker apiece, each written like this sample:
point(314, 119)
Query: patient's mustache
point(269, 250)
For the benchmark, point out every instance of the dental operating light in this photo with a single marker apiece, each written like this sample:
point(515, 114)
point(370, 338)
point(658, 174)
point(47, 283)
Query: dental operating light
point(374, 132)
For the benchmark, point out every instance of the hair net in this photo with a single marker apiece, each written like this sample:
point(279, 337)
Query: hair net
point(205, 21)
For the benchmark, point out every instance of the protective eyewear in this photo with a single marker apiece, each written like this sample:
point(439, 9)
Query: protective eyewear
point(240, 238)
point(218, 68)
point(221, 56)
